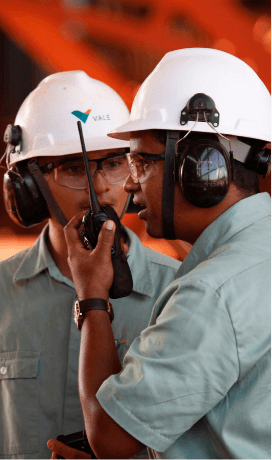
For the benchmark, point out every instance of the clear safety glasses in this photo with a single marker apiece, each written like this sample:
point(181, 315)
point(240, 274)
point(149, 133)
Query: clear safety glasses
point(72, 174)
point(142, 167)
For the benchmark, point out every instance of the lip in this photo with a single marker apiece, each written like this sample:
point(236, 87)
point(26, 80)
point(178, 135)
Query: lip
point(142, 214)
point(138, 203)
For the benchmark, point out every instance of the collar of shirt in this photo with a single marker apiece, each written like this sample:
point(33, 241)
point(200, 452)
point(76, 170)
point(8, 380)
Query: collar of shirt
point(239, 216)
point(38, 258)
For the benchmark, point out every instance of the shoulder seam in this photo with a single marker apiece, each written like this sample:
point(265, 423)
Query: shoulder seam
point(243, 271)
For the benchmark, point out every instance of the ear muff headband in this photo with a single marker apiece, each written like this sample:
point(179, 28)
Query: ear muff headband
point(45, 190)
point(168, 190)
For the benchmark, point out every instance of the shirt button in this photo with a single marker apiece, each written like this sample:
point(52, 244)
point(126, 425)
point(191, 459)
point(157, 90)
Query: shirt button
point(3, 370)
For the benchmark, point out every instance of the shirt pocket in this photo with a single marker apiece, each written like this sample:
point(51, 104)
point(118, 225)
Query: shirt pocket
point(19, 402)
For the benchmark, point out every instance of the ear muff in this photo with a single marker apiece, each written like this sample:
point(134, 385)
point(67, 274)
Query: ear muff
point(203, 170)
point(23, 200)
point(259, 160)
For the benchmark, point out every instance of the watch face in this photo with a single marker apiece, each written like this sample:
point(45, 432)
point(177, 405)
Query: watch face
point(78, 317)
point(110, 312)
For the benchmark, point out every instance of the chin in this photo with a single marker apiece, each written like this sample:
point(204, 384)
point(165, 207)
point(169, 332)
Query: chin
point(153, 230)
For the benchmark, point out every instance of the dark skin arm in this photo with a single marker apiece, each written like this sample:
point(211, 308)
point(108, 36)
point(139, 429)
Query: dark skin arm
point(93, 274)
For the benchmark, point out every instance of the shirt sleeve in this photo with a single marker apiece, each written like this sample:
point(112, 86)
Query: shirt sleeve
point(177, 370)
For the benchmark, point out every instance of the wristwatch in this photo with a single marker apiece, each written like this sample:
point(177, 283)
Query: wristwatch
point(82, 306)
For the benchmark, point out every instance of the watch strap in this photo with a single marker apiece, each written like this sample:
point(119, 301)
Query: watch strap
point(92, 304)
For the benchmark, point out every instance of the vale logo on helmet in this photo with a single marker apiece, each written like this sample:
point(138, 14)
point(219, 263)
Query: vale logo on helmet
point(83, 116)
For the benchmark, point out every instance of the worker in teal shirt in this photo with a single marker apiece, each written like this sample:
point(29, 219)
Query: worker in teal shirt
point(39, 344)
point(196, 382)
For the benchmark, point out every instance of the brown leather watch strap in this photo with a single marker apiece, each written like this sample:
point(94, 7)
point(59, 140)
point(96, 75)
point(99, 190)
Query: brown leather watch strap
point(94, 303)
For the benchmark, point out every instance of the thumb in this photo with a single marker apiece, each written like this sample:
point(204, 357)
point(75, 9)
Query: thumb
point(106, 236)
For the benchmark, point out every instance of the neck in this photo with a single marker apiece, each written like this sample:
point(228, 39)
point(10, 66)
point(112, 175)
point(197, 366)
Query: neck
point(58, 249)
point(191, 221)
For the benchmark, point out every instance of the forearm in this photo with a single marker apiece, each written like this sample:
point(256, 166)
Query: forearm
point(98, 360)
point(98, 354)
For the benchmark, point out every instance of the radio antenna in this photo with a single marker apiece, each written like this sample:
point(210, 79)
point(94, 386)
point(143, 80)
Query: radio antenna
point(95, 206)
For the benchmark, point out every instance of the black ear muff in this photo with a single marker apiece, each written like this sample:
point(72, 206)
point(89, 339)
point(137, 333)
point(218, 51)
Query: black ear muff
point(258, 160)
point(23, 199)
point(203, 169)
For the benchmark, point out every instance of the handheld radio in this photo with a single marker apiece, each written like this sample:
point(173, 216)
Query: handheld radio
point(77, 441)
point(92, 222)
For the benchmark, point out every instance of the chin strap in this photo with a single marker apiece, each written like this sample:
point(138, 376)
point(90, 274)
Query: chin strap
point(168, 190)
point(50, 200)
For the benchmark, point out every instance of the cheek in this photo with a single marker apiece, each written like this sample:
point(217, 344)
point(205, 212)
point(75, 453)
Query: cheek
point(152, 190)
point(68, 199)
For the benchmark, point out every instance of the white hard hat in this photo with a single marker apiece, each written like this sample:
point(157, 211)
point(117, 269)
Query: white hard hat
point(240, 97)
point(48, 116)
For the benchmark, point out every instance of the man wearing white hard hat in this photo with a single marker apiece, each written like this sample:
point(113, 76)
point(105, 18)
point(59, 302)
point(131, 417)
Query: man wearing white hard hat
point(46, 180)
point(196, 382)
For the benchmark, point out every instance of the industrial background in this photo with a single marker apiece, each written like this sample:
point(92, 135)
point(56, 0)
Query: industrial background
point(118, 42)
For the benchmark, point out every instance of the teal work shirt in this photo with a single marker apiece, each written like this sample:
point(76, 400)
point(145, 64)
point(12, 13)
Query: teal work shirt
point(196, 382)
point(39, 342)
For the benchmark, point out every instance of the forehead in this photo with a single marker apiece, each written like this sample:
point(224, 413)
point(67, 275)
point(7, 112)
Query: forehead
point(145, 142)
point(95, 154)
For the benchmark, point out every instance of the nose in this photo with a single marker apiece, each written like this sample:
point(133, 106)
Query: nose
point(130, 186)
point(100, 183)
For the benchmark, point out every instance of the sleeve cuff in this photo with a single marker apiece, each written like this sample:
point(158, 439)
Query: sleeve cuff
point(128, 421)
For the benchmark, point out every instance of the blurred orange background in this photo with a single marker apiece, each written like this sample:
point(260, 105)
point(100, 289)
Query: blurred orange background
point(118, 42)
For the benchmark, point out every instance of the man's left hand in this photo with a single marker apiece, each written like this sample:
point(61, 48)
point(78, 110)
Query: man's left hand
point(61, 450)
point(91, 270)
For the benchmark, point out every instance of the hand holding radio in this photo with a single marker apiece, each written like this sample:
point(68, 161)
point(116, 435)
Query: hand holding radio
point(122, 281)
point(92, 223)
point(92, 270)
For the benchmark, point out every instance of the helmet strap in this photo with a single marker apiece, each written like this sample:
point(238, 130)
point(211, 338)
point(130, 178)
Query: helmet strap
point(45, 190)
point(168, 190)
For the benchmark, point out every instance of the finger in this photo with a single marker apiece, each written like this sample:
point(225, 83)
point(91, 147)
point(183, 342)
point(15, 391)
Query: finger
point(56, 446)
point(71, 232)
point(64, 451)
point(106, 238)
point(54, 456)
point(75, 222)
